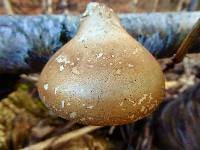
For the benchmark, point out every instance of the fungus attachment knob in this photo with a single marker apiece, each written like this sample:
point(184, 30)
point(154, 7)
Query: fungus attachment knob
point(102, 76)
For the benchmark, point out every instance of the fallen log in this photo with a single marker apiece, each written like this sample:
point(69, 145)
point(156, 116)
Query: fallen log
point(27, 42)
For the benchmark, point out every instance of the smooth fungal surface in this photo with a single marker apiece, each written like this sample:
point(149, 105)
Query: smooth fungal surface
point(102, 76)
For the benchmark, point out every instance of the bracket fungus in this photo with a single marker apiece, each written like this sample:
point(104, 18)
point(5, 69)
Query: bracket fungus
point(102, 76)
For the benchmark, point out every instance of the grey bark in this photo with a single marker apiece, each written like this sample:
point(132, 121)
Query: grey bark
point(27, 42)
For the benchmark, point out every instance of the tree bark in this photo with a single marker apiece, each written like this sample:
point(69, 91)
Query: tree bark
point(27, 42)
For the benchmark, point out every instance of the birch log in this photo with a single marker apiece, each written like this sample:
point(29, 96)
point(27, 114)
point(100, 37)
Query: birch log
point(27, 42)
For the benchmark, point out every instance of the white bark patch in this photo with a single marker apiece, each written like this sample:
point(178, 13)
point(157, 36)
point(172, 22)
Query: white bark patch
point(130, 65)
point(72, 115)
point(61, 68)
point(90, 107)
point(46, 86)
point(62, 59)
point(99, 55)
point(55, 90)
point(62, 104)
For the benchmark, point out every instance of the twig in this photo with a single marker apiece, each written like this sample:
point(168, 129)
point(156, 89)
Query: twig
point(185, 46)
point(65, 128)
point(134, 4)
point(187, 43)
point(180, 5)
point(111, 130)
point(8, 7)
point(47, 6)
point(155, 6)
point(30, 77)
point(63, 138)
point(43, 4)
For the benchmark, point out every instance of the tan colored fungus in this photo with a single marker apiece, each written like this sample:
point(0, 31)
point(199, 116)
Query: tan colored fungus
point(102, 76)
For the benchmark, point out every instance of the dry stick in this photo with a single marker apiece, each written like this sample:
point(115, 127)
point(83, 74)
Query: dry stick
point(155, 6)
point(180, 5)
point(49, 7)
point(187, 43)
point(43, 4)
point(69, 125)
point(60, 139)
point(185, 46)
point(8, 7)
point(65, 128)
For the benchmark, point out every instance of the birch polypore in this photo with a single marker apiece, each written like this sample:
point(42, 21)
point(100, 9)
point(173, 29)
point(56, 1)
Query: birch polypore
point(102, 76)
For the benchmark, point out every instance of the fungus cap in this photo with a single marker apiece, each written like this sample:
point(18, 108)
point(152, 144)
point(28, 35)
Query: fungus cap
point(102, 76)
